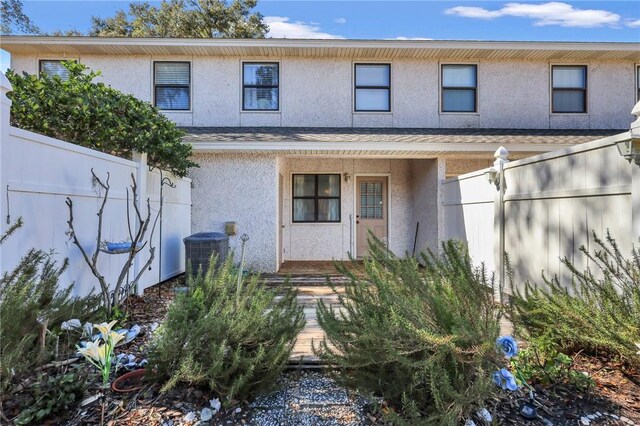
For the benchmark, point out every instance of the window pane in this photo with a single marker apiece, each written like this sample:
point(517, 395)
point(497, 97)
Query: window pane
point(53, 68)
point(328, 210)
point(328, 185)
point(258, 98)
point(568, 101)
point(172, 97)
point(569, 77)
point(304, 185)
point(458, 100)
point(372, 75)
point(261, 74)
point(458, 76)
point(176, 73)
point(372, 99)
point(304, 210)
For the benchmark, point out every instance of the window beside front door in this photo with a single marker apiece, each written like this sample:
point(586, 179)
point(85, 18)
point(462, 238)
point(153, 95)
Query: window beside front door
point(316, 198)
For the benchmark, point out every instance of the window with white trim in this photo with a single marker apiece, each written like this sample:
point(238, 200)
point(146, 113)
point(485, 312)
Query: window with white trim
point(316, 198)
point(172, 85)
point(372, 87)
point(459, 88)
point(53, 67)
point(260, 86)
point(569, 89)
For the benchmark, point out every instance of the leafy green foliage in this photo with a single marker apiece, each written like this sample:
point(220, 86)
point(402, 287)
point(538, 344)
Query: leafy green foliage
point(423, 337)
point(92, 114)
point(32, 308)
point(596, 311)
point(52, 395)
point(13, 20)
point(234, 347)
point(542, 363)
point(180, 18)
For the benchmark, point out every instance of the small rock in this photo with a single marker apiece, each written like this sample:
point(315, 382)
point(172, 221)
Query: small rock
point(626, 420)
point(585, 421)
point(197, 393)
point(485, 415)
point(470, 422)
point(614, 416)
point(598, 413)
point(206, 414)
point(215, 405)
point(591, 416)
point(237, 410)
point(189, 417)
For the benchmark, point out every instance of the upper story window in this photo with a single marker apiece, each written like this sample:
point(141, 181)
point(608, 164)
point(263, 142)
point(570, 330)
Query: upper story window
point(638, 83)
point(260, 86)
point(569, 88)
point(53, 67)
point(316, 198)
point(459, 88)
point(372, 87)
point(171, 82)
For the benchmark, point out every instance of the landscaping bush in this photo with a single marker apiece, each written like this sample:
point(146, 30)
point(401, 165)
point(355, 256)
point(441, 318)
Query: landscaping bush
point(422, 337)
point(598, 311)
point(32, 308)
point(234, 344)
point(92, 114)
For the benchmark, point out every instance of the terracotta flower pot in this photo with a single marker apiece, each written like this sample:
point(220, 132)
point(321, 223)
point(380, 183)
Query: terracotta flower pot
point(129, 382)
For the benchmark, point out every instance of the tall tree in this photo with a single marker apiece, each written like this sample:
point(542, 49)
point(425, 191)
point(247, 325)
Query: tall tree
point(184, 18)
point(13, 19)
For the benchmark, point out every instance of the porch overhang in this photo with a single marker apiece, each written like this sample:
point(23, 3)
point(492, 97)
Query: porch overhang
point(387, 143)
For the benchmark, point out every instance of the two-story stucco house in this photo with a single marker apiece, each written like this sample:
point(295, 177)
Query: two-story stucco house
point(306, 144)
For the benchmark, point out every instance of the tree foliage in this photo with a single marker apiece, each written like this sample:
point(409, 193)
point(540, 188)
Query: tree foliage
point(598, 311)
point(92, 114)
point(13, 19)
point(184, 18)
point(32, 307)
point(235, 344)
point(422, 337)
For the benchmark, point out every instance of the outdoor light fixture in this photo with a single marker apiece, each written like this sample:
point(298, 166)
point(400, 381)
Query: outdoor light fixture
point(491, 175)
point(630, 148)
point(347, 177)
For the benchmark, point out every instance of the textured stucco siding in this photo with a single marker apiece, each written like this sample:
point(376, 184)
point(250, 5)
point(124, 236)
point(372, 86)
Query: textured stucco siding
point(319, 92)
point(425, 188)
point(243, 189)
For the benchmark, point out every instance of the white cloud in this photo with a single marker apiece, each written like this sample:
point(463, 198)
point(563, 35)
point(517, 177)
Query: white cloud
point(282, 27)
point(408, 38)
point(340, 20)
point(551, 13)
point(634, 24)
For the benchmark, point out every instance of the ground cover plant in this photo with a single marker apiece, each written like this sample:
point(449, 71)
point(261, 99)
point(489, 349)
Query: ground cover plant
point(597, 312)
point(422, 337)
point(80, 110)
point(233, 343)
point(33, 306)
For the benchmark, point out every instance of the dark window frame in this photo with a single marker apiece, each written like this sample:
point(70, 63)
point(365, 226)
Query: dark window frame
point(474, 88)
point(258, 86)
point(571, 89)
point(316, 197)
point(41, 61)
point(356, 87)
point(174, 86)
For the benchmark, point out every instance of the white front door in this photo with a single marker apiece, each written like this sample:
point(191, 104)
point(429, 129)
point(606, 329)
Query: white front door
point(371, 210)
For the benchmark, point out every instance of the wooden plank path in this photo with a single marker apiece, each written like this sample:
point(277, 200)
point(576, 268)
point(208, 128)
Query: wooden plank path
point(311, 288)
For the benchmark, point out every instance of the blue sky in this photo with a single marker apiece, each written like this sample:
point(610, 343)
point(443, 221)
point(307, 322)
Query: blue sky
point(463, 19)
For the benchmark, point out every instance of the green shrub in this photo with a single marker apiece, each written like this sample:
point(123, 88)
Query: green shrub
point(91, 114)
point(52, 395)
point(596, 311)
point(421, 337)
point(32, 308)
point(542, 363)
point(236, 347)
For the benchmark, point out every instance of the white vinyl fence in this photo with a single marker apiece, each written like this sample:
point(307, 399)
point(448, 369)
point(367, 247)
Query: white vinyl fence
point(552, 204)
point(38, 173)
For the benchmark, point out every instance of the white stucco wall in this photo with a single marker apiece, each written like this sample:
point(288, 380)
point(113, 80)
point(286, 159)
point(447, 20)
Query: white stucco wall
point(241, 189)
point(319, 92)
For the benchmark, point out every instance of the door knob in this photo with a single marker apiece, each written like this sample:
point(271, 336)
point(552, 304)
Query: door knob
point(357, 222)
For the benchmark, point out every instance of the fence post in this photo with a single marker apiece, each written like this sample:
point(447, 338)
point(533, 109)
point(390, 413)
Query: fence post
point(141, 181)
point(501, 155)
point(5, 106)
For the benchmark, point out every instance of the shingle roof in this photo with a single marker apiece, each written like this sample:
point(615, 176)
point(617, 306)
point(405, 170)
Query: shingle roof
point(390, 135)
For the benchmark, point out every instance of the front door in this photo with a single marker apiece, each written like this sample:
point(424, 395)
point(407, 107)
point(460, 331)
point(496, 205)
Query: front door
point(371, 210)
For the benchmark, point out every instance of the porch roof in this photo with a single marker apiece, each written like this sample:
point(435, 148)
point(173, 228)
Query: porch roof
point(383, 141)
